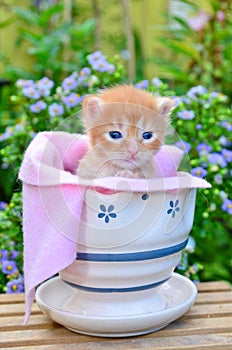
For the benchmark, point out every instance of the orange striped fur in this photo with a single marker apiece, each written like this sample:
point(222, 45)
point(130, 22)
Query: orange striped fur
point(131, 112)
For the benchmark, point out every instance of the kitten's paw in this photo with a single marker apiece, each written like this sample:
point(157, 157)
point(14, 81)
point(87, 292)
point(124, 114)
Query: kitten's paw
point(127, 173)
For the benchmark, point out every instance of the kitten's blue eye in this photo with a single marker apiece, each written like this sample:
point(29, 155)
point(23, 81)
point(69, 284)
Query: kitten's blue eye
point(147, 135)
point(115, 134)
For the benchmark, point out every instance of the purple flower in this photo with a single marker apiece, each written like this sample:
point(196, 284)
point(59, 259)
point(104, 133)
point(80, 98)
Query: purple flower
point(198, 22)
point(184, 146)
point(69, 83)
point(186, 100)
point(3, 205)
point(203, 149)
point(110, 68)
point(214, 94)
point(38, 106)
point(103, 66)
point(95, 57)
point(223, 195)
point(176, 100)
point(85, 72)
point(10, 131)
point(14, 254)
point(218, 179)
point(15, 286)
point(44, 86)
point(199, 126)
point(99, 63)
point(186, 115)
point(55, 109)
point(227, 155)
point(156, 82)
point(3, 255)
point(19, 127)
point(196, 91)
point(199, 172)
point(5, 136)
point(227, 125)
point(45, 83)
point(9, 267)
point(84, 76)
point(224, 141)
point(217, 158)
point(23, 83)
point(227, 206)
point(31, 92)
point(143, 84)
point(221, 16)
point(72, 100)
point(44, 92)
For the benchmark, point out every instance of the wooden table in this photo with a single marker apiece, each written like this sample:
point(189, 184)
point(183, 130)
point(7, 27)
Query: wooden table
point(208, 325)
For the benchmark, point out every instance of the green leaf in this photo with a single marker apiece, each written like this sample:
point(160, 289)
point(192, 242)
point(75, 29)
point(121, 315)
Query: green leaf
point(181, 47)
point(32, 37)
point(173, 69)
point(184, 25)
point(83, 29)
point(48, 13)
point(7, 22)
point(28, 16)
point(190, 3)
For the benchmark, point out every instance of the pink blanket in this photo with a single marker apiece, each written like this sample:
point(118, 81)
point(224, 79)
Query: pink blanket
point(53, 198)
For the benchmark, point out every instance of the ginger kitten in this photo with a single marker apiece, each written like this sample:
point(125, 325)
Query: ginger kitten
point(126, 127)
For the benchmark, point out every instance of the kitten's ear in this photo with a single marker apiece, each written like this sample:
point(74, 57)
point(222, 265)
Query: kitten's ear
point(165, 106)
point(92, 106)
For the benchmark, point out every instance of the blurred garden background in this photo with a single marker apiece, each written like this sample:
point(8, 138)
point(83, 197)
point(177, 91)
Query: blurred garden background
point(53, 53)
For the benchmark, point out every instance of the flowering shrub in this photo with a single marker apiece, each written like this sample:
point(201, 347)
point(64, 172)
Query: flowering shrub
point(198, 47)
point(202, 119)
point(40, 105)
point(11, 280)
point(206, 136)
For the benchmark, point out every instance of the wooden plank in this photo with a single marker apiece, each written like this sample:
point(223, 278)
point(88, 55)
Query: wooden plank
point(211, 310)
point(12, 298)
point(198, 326)
point(219, 286)
point(214, 298)
point(206, 326)
point(13, 323)
point(54, 333)
point(27, 337)
point(219, 341)
point(16, 309)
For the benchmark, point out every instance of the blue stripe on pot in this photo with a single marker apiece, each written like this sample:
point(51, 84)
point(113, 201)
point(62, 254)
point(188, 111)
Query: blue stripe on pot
point(137, 256)
point(116, 290)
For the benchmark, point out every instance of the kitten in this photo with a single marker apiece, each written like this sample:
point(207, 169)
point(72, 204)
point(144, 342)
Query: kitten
point(126, 127)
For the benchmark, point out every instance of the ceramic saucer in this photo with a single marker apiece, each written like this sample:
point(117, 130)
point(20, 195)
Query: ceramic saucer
point(171, 300)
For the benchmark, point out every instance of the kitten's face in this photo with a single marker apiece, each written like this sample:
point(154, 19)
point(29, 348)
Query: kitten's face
point(126, 135)
point(125, 126)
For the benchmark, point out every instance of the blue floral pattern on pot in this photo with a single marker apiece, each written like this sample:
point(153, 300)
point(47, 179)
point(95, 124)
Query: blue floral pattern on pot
point(174, 208)
point(107, 213)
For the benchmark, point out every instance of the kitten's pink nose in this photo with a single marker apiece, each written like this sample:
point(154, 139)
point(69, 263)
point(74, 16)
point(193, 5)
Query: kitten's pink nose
point(133, 150)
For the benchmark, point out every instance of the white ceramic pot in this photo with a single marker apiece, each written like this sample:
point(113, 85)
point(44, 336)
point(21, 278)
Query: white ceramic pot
point(122, 282)
point(130, 241)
